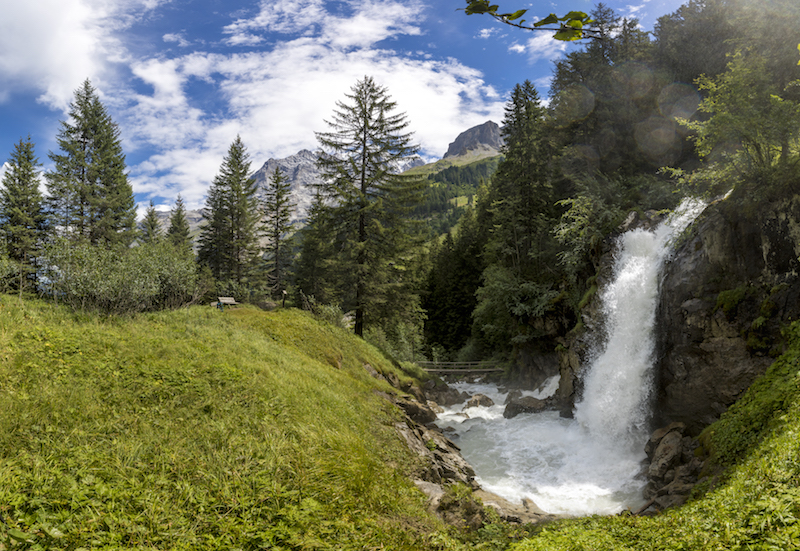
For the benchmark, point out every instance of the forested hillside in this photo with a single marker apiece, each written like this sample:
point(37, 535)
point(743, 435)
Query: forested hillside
point(625, 130)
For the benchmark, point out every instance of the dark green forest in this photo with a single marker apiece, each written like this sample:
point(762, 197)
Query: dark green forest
point(472, 262)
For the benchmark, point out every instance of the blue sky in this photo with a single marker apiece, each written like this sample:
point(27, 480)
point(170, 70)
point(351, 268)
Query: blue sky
point(183, 77)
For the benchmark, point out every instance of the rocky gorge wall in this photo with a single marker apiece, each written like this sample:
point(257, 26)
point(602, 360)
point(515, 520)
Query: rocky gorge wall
point(729, 287)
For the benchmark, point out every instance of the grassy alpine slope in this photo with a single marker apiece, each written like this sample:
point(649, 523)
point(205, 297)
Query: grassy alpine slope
point(196, 429)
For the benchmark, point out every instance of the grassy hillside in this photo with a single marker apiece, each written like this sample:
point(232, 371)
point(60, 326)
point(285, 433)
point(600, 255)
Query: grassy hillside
point(197, 429)
point(200, 429)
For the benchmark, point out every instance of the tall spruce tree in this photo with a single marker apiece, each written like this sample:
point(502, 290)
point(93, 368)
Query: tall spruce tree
point(371, 201)
point(518, 211)
point(314, 273)
point(278, 207)
point(89, 194)
point(178, 231)
point(151, 227)
point(229, 240)
point(22, 217)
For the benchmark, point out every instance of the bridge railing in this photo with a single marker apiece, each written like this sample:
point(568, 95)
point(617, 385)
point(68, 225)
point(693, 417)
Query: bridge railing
point(464, 368)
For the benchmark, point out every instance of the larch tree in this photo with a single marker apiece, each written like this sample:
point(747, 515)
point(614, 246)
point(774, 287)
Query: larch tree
point(89, 194)
point(277, 208)
point(358, 162)
point(22, 216)
point(229, 240)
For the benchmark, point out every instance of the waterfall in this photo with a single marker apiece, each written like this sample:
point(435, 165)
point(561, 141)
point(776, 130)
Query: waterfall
point(591, 464)
point(618, 384)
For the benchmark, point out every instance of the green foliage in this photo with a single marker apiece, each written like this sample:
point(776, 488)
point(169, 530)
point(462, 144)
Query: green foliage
point(754, 126)
point(151, 276)
point(573, 26)
point(729, 300)
point(89, 194)
point(178, 231)
point(277, 205)
point(151, 227)
point(439, 207)
point(364, 207)
point(22, 216)
point(195, 429)
point(229, 239)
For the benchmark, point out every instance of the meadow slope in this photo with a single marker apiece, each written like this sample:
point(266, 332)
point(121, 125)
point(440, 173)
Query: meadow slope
point(198, 429)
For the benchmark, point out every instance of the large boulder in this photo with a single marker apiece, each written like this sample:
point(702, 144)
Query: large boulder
point(727, 290)
point(524, 404)
point(479, 400)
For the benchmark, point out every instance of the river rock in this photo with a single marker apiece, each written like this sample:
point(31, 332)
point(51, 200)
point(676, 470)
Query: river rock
point(443, 394)
point(515, 394)
point(525, 404)
point(441, 458)
point(479, 400)
point(674, 469)
point(731, 284)
point(416, 410)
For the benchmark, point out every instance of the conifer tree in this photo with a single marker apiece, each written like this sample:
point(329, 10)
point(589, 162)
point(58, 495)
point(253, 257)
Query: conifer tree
point(22, 217)
point(90, 197)
point(151, 227)
point(278, 206)
point(315, 272)
point(229, 240)
point(178, 231)
point(518, 282)
point(371, 201)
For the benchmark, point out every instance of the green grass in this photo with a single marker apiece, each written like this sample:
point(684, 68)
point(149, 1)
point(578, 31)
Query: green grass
point(200, 429)
point(196, 429)
point(461, 160)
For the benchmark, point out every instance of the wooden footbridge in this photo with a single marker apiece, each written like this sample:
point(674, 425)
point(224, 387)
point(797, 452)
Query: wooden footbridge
point(460, 368)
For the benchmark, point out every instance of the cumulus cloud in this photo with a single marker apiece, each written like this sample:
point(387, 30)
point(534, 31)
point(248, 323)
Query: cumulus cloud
point(541, 47)
point(50, 46)
point(277, 98)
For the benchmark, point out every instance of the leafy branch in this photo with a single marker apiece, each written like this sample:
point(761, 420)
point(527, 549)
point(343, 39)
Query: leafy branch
point(573, 26)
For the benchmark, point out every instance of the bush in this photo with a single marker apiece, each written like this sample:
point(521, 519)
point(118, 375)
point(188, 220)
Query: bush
point(149, 277)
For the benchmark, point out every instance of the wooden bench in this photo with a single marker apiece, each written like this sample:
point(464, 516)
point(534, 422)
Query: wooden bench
point(222, 302)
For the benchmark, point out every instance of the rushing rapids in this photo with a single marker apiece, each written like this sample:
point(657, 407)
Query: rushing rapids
point(592, 463)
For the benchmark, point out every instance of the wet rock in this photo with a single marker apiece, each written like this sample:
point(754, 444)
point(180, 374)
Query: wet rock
point(515, 394)
point(674, 469)
point(418, 412)
point(525, 404)
point(729, 287)
point(479, 400)
point(443, 394)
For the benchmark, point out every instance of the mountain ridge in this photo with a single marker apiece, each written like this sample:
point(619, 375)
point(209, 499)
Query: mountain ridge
point(300, 170)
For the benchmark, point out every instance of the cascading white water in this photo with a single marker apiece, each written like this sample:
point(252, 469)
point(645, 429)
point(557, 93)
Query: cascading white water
point(590, 464)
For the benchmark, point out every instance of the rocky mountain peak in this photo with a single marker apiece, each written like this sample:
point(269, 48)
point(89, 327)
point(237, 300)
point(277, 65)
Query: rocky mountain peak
point(484, 137)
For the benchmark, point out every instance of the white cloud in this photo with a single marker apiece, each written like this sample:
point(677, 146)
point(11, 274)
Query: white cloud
point(277, 99)
point(50, 46)
point(280, 16)
point(517, 48)
point(543, 47)
point(488, 32)
point(177, 38)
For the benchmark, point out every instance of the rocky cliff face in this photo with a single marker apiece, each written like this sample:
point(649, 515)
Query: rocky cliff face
point(730, 286)
point(483, 138)
point(301, 171)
